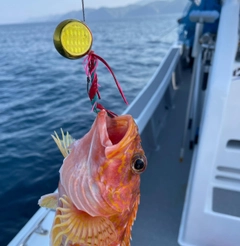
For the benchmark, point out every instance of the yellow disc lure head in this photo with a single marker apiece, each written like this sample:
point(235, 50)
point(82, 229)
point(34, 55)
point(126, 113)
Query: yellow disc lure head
point(72, 39)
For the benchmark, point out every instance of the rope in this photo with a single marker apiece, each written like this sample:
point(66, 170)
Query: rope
point(91, 63)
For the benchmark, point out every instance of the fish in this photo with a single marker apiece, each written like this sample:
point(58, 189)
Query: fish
point(99, 186)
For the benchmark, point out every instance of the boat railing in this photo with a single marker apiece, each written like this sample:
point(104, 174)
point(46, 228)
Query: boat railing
point(149, 108)
point(34, 225)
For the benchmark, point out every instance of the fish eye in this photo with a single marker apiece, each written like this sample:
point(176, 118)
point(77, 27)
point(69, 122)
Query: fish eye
point(139, 163)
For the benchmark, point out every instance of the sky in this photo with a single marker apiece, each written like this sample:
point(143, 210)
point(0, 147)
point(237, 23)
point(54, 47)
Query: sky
point(14, 11)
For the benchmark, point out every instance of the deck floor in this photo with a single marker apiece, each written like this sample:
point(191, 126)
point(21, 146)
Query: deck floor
point(164, 183)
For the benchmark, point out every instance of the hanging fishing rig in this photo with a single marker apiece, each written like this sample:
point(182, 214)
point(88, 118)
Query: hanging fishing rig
point(73, 39)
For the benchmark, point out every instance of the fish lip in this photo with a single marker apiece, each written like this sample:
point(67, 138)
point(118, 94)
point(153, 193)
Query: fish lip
point(116, 132)
point(101, 124)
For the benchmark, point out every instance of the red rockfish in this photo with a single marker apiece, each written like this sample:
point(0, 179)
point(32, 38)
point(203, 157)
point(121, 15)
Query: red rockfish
point(99, 188)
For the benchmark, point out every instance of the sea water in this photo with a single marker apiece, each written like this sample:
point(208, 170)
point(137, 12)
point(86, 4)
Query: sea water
point(41, 92)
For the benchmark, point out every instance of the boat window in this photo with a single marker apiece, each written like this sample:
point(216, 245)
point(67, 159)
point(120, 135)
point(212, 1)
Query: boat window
point(233, 144)
point(226, 201)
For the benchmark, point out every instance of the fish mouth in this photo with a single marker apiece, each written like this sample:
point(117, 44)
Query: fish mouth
point(117, 128)
point(118, 131)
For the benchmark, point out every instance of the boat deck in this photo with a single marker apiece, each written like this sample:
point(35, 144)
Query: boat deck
point(164, 183)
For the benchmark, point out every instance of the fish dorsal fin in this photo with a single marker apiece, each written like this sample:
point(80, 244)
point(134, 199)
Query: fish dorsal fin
point(127, 236)
point(72, 226)
point(49, 201)
point(63, 144)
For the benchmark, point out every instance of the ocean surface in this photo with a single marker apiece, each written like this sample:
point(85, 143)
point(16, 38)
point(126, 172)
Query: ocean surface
point(40, 92)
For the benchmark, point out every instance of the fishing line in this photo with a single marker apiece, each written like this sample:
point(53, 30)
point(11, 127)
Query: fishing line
point(73, 40)
point(168, 31)
point(83, 11)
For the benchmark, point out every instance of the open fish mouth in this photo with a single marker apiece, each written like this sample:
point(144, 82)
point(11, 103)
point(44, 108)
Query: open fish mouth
point(117, 128)
point(116, 131)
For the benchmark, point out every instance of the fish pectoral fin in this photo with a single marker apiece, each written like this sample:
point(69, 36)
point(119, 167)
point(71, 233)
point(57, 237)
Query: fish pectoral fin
point(63, 144)
point(77, 227)
point(49, 201)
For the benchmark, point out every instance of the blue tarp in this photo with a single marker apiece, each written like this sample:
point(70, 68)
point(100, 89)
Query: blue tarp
point(188, 28)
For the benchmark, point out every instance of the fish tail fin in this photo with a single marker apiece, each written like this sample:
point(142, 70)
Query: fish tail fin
point(63, 144)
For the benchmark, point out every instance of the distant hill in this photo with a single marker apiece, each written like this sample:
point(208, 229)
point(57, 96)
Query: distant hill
point(144, 2)
point(143, 8)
